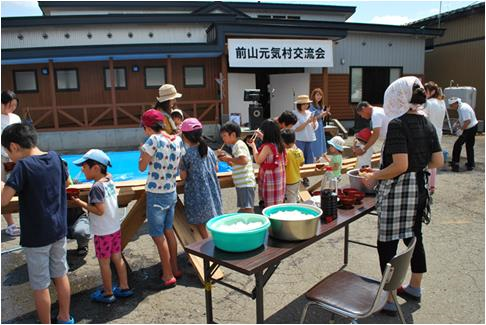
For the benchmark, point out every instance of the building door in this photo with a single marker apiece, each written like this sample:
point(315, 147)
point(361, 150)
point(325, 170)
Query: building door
point(284, 89)
point(237, 83)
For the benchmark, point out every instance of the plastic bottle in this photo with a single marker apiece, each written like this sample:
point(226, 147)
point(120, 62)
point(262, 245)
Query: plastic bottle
point(328, 196)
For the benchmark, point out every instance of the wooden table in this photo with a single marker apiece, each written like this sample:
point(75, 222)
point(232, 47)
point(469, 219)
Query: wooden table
point(263, 261)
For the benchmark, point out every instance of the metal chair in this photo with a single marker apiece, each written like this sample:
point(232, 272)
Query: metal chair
point(353, 296)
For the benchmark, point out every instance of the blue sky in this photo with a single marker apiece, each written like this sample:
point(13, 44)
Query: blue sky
point(377, 12)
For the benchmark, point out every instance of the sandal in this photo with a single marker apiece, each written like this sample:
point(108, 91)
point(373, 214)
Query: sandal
point(169, 283)
point(13, 230)
point(401, 292)
point(70, 321)
point(122, 293)
point(98, 296)
point(178, 274)
point(82, 251)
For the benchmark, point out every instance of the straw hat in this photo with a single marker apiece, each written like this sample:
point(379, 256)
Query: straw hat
point(167, 92)
point(303, 99)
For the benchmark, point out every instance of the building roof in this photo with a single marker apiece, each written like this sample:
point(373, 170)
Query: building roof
point(450, 15)
point(47, 6)
point(11, 22)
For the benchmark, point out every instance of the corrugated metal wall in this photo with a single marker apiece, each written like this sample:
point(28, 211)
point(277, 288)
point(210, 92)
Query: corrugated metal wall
point(78, 35)
point(385, 50)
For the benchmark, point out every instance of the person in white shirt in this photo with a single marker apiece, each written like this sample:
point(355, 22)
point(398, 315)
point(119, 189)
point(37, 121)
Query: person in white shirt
point(305, 127)
point(435, 110)
point(468, 126)
point(379, 125)
point(9, 105)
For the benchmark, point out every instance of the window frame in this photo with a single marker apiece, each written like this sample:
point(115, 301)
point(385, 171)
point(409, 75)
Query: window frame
point(114, 68)
point(145, 76)
point(364, 67)
point(68, 89)
point(25, 91)
point(204, 75)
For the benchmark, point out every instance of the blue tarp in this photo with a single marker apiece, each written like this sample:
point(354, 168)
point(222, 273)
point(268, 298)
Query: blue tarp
point(125, 166)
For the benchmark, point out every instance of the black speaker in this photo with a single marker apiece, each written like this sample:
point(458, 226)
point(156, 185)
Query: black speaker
point(255, 112)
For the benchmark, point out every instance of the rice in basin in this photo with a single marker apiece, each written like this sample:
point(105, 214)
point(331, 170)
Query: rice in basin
point(240, 226)
point(291, 215)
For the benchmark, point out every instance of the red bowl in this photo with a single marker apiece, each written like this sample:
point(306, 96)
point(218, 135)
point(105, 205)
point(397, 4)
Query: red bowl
point(358, 196)
point(349, 191)
point(347, 200)
point(72, 193)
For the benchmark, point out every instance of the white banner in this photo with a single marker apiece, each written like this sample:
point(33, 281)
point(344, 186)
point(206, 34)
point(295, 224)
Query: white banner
point(279, 53)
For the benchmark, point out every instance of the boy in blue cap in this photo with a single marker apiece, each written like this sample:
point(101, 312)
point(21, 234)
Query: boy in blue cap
point(39, 179)
point(102, 208)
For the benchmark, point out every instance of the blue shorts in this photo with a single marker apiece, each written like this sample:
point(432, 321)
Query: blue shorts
point(160, 212)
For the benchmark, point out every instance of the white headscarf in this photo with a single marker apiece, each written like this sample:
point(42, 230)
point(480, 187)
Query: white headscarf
point(398, 95)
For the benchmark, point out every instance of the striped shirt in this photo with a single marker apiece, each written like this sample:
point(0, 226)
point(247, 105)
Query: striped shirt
point(243, 175)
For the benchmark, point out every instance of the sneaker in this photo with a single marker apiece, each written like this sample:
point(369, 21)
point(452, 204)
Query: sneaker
point(122, 293)
point(13, 230)
point(455, 168)
point(70, 321)
point(98, 296)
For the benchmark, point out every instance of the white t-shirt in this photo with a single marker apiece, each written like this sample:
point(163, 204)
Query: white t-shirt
point(308, 133)
point(379, 120)
point(166, 152)
point(364, 159)
point(104, 192)
point(11, 118)
point(467, 113)
point(435, 110)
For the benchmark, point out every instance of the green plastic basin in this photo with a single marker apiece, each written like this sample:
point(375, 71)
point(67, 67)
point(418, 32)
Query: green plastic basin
point(241, 241)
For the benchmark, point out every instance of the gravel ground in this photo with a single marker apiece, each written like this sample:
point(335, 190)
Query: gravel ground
point(453, 286)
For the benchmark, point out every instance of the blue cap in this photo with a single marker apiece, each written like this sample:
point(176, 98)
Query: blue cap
point(96, 155)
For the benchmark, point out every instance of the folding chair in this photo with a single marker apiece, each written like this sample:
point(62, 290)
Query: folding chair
point(353, 296)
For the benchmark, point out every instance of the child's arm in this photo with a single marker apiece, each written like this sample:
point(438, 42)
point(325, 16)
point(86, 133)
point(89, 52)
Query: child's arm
point(7, 194)
point(144, 160)
point(241, 160)
point(326, 157)
point(97, 208)
point(260, 157)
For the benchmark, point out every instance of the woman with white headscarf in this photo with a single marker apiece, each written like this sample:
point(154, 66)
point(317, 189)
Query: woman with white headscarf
point(402, 200)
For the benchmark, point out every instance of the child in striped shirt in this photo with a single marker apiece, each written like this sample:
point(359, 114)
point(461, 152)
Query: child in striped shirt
point(243, 175)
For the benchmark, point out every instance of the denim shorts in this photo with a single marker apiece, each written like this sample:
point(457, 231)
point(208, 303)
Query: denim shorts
point(160, 212)
point(46, 262)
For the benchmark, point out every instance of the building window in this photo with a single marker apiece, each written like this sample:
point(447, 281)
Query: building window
point(154, 77)
point(194, 76)
point(120, 78)
point(370, 83)
point(67, 79)
point(25, 81)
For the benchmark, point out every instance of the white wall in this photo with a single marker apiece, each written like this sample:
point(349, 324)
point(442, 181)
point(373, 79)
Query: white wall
point(237, 82)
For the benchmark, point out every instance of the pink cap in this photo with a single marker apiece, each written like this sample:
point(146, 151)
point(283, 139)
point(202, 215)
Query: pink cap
point(151, 117)
point(191, 124)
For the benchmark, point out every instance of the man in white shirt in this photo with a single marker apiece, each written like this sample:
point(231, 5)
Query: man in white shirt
point(468, 127)
point(379, 124)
